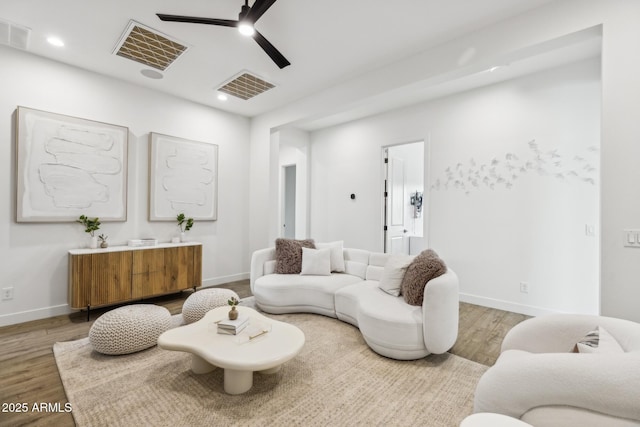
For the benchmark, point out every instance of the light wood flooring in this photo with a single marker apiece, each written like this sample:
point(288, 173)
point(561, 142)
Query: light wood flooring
point(28, 372)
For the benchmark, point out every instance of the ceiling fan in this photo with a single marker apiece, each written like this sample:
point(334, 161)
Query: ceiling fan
point(245, 24)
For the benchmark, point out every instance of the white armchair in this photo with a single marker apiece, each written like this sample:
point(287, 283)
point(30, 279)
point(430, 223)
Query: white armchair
point(538, 379)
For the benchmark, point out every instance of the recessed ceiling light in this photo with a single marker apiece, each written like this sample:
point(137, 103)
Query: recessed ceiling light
point(55, 41)
point(222, 97)
point(152, 74)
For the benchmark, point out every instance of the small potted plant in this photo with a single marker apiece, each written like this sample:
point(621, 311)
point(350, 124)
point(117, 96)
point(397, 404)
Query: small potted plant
point(103, 240)
point(91, 225)
point(184, 224)
point(233, 302)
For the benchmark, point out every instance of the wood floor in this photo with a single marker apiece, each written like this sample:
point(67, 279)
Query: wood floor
point(28, 372)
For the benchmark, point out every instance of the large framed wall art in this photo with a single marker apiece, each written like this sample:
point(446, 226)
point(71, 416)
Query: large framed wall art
point(183, 178)
point(67, 167)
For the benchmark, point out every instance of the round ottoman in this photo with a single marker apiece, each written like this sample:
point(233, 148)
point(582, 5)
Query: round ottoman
point(129, 329)
point(199, 303)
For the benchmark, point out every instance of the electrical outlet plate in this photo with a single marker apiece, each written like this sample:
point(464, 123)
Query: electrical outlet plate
point(7, 293)
point(524, 287)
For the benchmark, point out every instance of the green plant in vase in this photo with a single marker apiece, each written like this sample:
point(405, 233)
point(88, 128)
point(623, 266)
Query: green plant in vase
point(184, 224)
point(91, 225)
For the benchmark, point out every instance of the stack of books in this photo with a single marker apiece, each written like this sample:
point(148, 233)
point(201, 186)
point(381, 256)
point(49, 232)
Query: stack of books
point(233, 327)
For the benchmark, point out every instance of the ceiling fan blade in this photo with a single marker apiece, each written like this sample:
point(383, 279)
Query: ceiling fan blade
point(198, 20)
point(258, 9)
point(270, 49)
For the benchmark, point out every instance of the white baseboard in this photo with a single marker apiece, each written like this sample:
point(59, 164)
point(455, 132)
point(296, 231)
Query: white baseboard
point(59, 310)
point(206, 283)
point(37, 314)
point(528, 310)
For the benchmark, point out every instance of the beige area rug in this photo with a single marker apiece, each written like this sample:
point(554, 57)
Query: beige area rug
point(335, 381)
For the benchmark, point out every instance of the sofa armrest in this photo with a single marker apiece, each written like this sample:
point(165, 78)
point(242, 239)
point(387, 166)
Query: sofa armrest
point(521, 381)
point(558, 333)
point(440, 312)
point(258, 258)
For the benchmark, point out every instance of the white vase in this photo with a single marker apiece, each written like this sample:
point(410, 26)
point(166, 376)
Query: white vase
point(183, 236)
point(93, 244)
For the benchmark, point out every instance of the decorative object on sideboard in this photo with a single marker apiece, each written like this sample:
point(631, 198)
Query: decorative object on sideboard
point(90, 226)
point(103, 241)
point(233, 313)
point(184, 224)
point(142, 242)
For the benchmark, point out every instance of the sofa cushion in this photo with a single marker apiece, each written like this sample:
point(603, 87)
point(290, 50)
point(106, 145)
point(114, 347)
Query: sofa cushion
point(289, 255)
point(424, 267)
point(394, 271)
point(295, 291)
point(356, 262)
point(389, 325)
point(316, 262)
point(337, 255)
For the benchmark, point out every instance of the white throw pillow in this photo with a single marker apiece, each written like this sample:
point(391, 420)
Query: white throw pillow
point(599, 341)
point(393, 274)
point(316, 262)
point(337, 255)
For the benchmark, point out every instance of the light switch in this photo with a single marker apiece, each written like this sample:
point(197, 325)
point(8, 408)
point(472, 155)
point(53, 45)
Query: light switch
point(632, 238)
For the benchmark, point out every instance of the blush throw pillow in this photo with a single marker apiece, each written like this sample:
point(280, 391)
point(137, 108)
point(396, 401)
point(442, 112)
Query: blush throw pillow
point(316, 262)
point(289, 255)
point(394, 271)
point(424, 267)
point(337, 255)
point(598, 341)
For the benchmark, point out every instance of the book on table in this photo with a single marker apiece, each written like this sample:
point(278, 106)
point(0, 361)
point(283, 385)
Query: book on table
point(232, 327)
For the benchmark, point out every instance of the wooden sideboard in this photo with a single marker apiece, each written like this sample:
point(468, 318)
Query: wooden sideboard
point(100, 277)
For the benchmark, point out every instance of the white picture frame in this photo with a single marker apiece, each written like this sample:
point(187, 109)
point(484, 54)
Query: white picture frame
point(183, 178)
point(68, 166)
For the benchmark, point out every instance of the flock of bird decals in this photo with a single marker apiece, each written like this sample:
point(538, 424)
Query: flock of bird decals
point(504, 172)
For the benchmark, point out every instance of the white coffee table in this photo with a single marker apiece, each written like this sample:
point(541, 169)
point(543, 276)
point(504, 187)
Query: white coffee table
point(238, 355)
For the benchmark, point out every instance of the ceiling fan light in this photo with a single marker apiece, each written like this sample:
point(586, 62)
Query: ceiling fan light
point(246, 28)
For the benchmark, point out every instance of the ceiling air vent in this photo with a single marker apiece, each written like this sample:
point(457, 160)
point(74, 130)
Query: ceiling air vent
point(14, 35)
point(245, 86)
point(147, 46)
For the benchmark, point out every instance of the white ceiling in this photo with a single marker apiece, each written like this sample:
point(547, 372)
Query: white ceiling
point(326, 41)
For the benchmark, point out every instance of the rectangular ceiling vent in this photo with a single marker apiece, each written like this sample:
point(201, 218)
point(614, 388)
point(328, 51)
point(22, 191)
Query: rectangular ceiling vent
point(149, 47)
point(14, 35)
point(245, 86)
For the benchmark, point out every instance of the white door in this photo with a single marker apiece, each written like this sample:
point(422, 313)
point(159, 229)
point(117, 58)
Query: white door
point(396, 241)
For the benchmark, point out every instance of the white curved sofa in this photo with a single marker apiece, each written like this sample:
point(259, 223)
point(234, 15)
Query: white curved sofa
point(389, 325)
point(538, 378)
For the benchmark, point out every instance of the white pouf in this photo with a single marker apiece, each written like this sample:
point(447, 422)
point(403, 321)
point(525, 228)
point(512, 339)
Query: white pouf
point(129, 329)
point(199, 303)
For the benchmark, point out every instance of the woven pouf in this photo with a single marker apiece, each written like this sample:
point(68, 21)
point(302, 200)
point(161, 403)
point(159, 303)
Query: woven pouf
point(199, 303)
point(129, 329)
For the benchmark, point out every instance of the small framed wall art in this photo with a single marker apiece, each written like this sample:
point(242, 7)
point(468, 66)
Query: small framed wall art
point(67, 167)
point(183, 178)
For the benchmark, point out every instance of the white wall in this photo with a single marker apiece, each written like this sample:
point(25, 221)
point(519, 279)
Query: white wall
point(619, 205)
point(34, 256)
point(503, 209)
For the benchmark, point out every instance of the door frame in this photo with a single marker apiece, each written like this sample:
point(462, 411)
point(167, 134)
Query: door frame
point(426, 191)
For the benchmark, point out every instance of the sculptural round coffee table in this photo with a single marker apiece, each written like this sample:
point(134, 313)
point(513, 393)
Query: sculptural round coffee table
point(261, 347)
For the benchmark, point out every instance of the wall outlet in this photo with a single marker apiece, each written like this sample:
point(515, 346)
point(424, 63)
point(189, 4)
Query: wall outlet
point(524, 287)
point(7, 293)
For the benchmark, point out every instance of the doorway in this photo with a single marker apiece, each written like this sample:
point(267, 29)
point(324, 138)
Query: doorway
point(403, 198)
point(289, 220)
